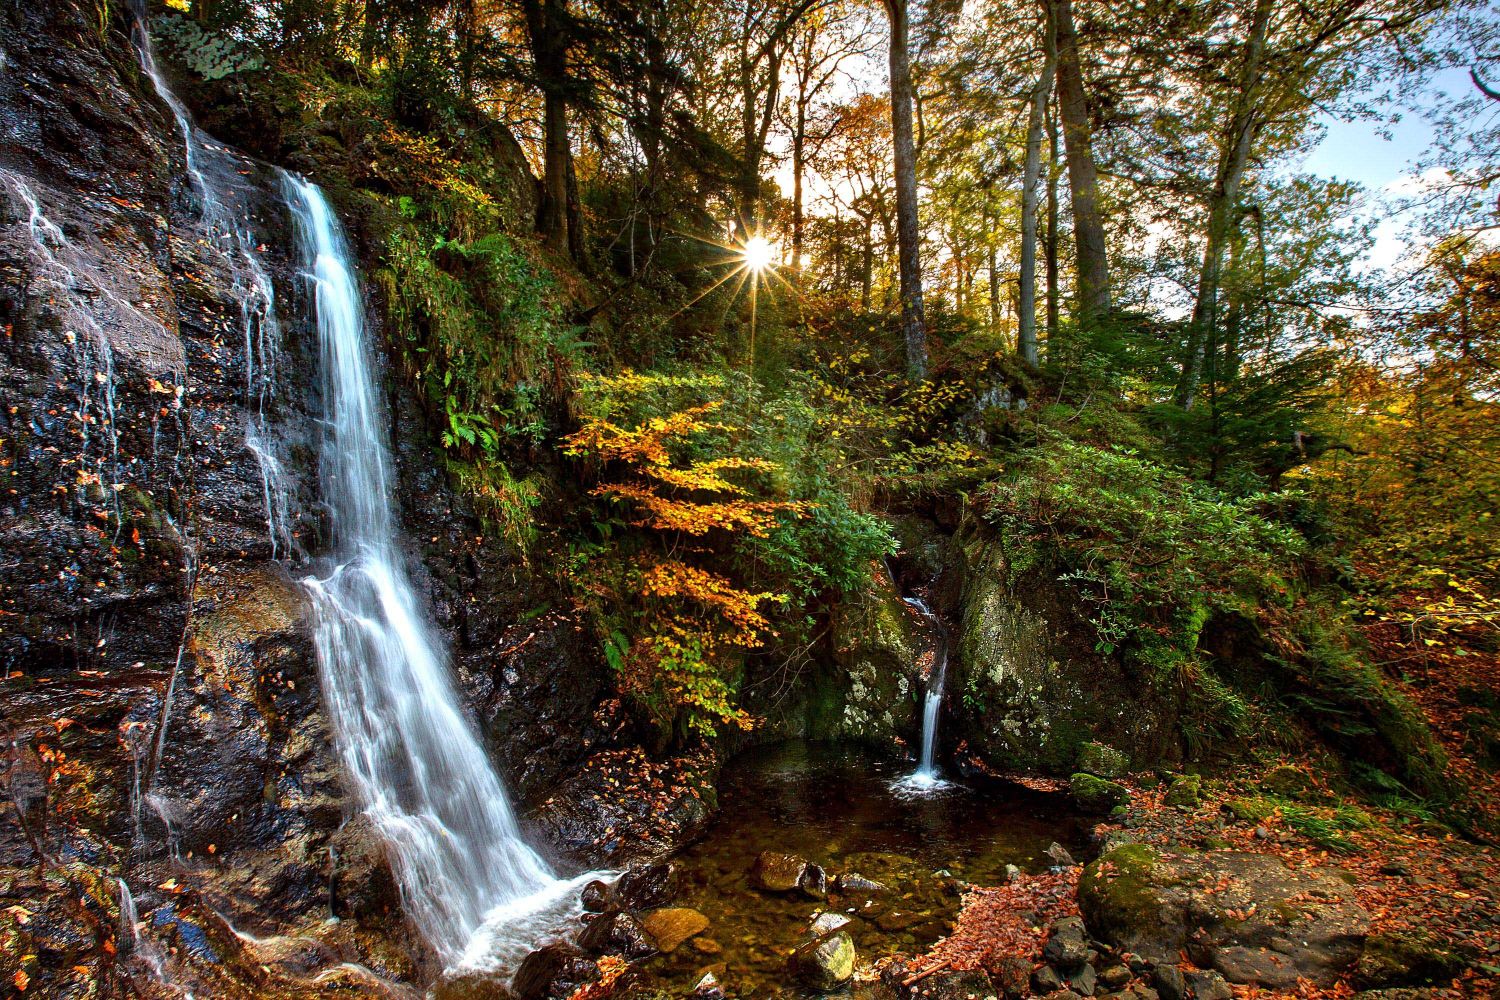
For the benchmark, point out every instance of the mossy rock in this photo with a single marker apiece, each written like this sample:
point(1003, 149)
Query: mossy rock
point(1286, 780)
point(1185, 790)
point(1249, 810)
point(1102, 761)
point(1405, 958)
point(1096, 794)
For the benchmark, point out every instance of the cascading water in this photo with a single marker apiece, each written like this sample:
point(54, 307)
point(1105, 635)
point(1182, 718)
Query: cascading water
point(417, 766)
point(927, 776)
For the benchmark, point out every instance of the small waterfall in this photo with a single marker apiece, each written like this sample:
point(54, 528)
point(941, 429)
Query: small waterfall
point(216, 180)
point(132, 943)
point(416, 764)
point(927, 776)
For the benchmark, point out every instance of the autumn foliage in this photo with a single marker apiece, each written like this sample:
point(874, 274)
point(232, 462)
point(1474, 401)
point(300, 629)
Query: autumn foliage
point(683, 625)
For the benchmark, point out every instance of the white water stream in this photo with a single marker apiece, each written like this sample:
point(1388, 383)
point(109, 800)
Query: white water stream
point(469, 882)
point(417, 765)
point(927, 777)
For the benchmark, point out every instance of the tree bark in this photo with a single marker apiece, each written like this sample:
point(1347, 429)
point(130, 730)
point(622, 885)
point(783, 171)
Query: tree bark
point(546, 30)
point(1031, 176)
point(1083, 176)
point(908, 234)
point(1234, 155)
point(1054, 304)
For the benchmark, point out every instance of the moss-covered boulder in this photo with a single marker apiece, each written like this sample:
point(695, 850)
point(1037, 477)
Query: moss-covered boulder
point(1185, 790)
point(824, 963)
point(1097, 795)
point(1102, 761)
point(1405, 958)
point(1030, 690)
point(1246, 915)
point(869, 686)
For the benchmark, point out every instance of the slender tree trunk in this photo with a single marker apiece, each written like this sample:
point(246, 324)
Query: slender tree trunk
point(913, 321)
point(1054, 305)
point(799, 148)
point(993, 267)
point(1234, 155)
point(867, 266)
point(549, 47)
point(1030, 181)
point(1083, 176)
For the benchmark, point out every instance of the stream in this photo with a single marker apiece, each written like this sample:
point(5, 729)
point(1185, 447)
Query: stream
point(840, 806)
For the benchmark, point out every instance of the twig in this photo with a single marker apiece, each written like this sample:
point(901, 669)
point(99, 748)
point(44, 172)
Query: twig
point(908, 981)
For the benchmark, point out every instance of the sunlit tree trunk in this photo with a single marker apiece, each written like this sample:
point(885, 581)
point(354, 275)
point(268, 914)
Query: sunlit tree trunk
point(908, 234)
point(1030, 195)
point(1054, 306)
point(1234, 155)
point(1083, 176)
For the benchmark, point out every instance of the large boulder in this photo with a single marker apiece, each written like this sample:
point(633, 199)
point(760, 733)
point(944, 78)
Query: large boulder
point(868, 687)
point(826, 962)
point(1035, 690)
point(1248, 916)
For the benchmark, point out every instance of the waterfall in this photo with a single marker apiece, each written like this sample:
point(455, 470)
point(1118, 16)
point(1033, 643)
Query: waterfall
point(927, 776)
point(416, 764)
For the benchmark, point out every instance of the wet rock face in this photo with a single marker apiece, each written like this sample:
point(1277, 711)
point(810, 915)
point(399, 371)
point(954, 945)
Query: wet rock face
point(1247, 916)
point(1033, 689)
point(139, 552)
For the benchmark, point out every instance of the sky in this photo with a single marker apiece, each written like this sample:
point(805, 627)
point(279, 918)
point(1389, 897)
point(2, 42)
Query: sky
point(1384, 164)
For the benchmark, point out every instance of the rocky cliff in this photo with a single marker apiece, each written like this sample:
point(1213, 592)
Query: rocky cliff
point(160, 704)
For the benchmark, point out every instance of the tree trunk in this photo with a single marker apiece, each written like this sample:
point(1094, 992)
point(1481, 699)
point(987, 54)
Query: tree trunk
point(1031, 177)
point(549, 47)
point(1234, 155)
point(1083, 177)
point(913, 322)
point(1054, 306)
point(867, 265)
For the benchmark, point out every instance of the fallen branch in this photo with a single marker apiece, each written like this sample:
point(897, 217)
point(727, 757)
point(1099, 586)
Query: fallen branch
point(908, 981)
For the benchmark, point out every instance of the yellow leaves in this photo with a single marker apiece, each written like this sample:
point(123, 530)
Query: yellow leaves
point(645, 444)
point(21, 915)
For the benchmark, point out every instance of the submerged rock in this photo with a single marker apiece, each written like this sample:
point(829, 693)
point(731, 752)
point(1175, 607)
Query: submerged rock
point(854, 883)
point(674, 925)
point(1268, 925)
point(826, 962)
point(775, 872)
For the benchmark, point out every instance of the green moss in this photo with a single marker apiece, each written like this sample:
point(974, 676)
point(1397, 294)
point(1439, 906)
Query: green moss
point(1185, 790)
point(1250, 810)
point(1096, 794)
point(1103, 761)
point(1118, 891)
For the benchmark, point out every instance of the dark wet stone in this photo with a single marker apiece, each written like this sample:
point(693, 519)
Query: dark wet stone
point(617, 933)
point(1170, 982)
point(553, 973)
point(1046, 980)
point(1068, 946)
point(814, 882)
point(648, 886)
point(1205, 984)
point(599, 897)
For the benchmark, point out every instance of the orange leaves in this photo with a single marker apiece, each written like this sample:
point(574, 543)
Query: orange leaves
point(646, 444)
point(667, 514)
point(716, 594)
point(688, 622)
